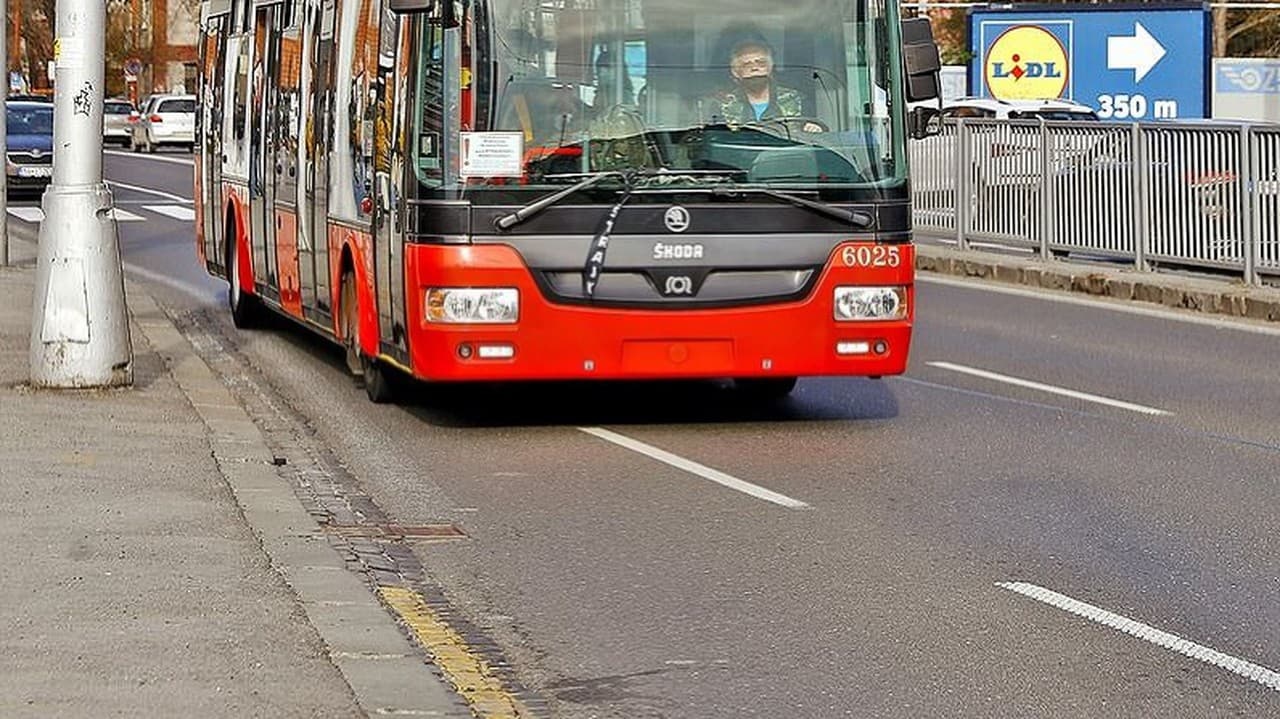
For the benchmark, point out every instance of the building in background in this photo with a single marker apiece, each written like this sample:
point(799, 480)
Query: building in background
point(177, 30)
point(150, 46)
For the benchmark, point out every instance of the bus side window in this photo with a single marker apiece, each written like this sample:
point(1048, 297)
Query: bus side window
point(241, 99)
point(428, 107)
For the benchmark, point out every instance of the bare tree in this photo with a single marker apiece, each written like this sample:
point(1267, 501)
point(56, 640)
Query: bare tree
point(1246, 32)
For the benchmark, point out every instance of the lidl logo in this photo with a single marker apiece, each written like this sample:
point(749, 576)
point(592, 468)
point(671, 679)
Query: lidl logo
point(1026, 62)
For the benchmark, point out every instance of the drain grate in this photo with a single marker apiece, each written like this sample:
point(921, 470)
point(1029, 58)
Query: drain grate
point(396, 531)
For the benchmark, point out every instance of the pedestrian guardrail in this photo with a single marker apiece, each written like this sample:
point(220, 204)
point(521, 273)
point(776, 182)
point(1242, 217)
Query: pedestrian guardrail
point(1192, 194)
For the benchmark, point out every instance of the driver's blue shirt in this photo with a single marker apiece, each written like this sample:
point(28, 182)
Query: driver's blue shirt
point(760, 107)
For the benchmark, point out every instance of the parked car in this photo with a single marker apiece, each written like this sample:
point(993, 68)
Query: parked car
point(118, 117)
point(29, 164)
point(993, 109)
point(1004, 149)
point(166, 120)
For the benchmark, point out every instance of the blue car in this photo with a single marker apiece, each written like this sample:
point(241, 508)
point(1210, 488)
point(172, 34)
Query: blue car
point(30, 138)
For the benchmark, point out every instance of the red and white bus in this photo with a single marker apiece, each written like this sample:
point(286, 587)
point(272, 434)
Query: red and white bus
point(464, 190)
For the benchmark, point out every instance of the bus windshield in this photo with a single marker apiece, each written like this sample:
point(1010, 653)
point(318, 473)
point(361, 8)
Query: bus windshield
point(803, 93)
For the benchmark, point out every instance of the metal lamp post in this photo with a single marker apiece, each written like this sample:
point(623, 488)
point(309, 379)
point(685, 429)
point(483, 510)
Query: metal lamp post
point(4, 138)
point(80, 329)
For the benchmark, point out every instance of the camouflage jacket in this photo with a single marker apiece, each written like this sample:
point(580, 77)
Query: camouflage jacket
point(732, 106)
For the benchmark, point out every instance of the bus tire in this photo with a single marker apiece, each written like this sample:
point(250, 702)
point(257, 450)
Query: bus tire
point(380, 381)
point(349, 322)
point(246, 313)
point(764, 389)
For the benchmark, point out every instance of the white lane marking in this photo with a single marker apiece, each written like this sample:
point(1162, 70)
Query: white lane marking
point(1115, 305)
point(126, 216)
point(177, 212)
point(36, 215)
point(27, 214)
point(692, 467)
point(155, 158)
point(1017, 382)
point(167, 281)
point(1248, 670)
point(149, 191)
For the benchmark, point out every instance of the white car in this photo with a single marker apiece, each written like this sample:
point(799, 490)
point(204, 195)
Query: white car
point(118, 118)
point(166, 120)
point(992, 109)
point(1004, 151)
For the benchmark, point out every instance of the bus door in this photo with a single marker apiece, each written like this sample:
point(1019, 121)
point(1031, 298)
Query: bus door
point(389, 135)
point(266, 57)
point(213, 60)
point(282, 156)
point(317, 84)
point(234, 142)
point(300, 154)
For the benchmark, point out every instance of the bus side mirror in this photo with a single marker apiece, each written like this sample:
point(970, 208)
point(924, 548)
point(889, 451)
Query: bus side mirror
point(410, 7)
point(920, 60)
point(443, 12)
point(924, 121)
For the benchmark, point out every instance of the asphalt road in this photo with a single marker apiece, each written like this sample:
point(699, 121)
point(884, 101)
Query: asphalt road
point(1124, 460)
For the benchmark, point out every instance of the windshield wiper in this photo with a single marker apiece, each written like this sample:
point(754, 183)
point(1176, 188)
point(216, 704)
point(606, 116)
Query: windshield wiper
point(512, 219)
point(858, 218)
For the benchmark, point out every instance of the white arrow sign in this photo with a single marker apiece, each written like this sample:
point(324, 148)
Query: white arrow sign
point(1139, 52)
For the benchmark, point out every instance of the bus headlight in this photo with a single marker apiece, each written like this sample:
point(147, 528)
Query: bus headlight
point(472, 305)
point(853, 304)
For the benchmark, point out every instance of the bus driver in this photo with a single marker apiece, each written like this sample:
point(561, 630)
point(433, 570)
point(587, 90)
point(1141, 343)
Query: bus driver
point(755, 96)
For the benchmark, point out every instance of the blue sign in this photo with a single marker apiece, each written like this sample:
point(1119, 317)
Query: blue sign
point(1132, 64)
point(1249, 77)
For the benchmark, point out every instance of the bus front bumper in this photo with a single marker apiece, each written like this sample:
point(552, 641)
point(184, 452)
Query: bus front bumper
point(552, 341)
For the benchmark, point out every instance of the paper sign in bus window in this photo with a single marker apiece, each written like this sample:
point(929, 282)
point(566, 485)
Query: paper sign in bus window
point(492, 154)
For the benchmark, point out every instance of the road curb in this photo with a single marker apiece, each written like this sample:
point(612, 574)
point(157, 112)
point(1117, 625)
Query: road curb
point(1185, 293)
point(386, 672)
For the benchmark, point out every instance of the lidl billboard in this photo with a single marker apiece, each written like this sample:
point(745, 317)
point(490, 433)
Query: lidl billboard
point(1141, 62)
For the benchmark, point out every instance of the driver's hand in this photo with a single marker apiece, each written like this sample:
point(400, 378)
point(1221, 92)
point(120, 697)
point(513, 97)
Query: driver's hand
point(811, 127)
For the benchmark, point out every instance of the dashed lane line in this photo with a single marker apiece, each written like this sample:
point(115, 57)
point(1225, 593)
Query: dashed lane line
point(1048, 388)
point(1253, 672)
point(694, 468)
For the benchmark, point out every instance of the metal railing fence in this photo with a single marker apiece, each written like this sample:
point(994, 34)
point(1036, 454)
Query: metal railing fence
point(1189, 194)
point(1264, 154)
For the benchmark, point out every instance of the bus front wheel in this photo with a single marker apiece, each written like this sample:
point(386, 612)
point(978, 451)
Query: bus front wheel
point(378, 379)
point(244, 306)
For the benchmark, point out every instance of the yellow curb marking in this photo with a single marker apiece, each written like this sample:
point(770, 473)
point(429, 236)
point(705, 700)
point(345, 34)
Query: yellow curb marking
point(469, 674)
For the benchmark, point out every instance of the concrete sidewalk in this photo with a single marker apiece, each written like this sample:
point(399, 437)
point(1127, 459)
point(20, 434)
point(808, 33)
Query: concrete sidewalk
point(135, 581)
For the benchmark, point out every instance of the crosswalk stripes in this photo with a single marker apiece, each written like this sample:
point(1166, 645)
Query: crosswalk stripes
point(183, 213)
point(177, 212)
point(27, 214)
point(126, 216)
